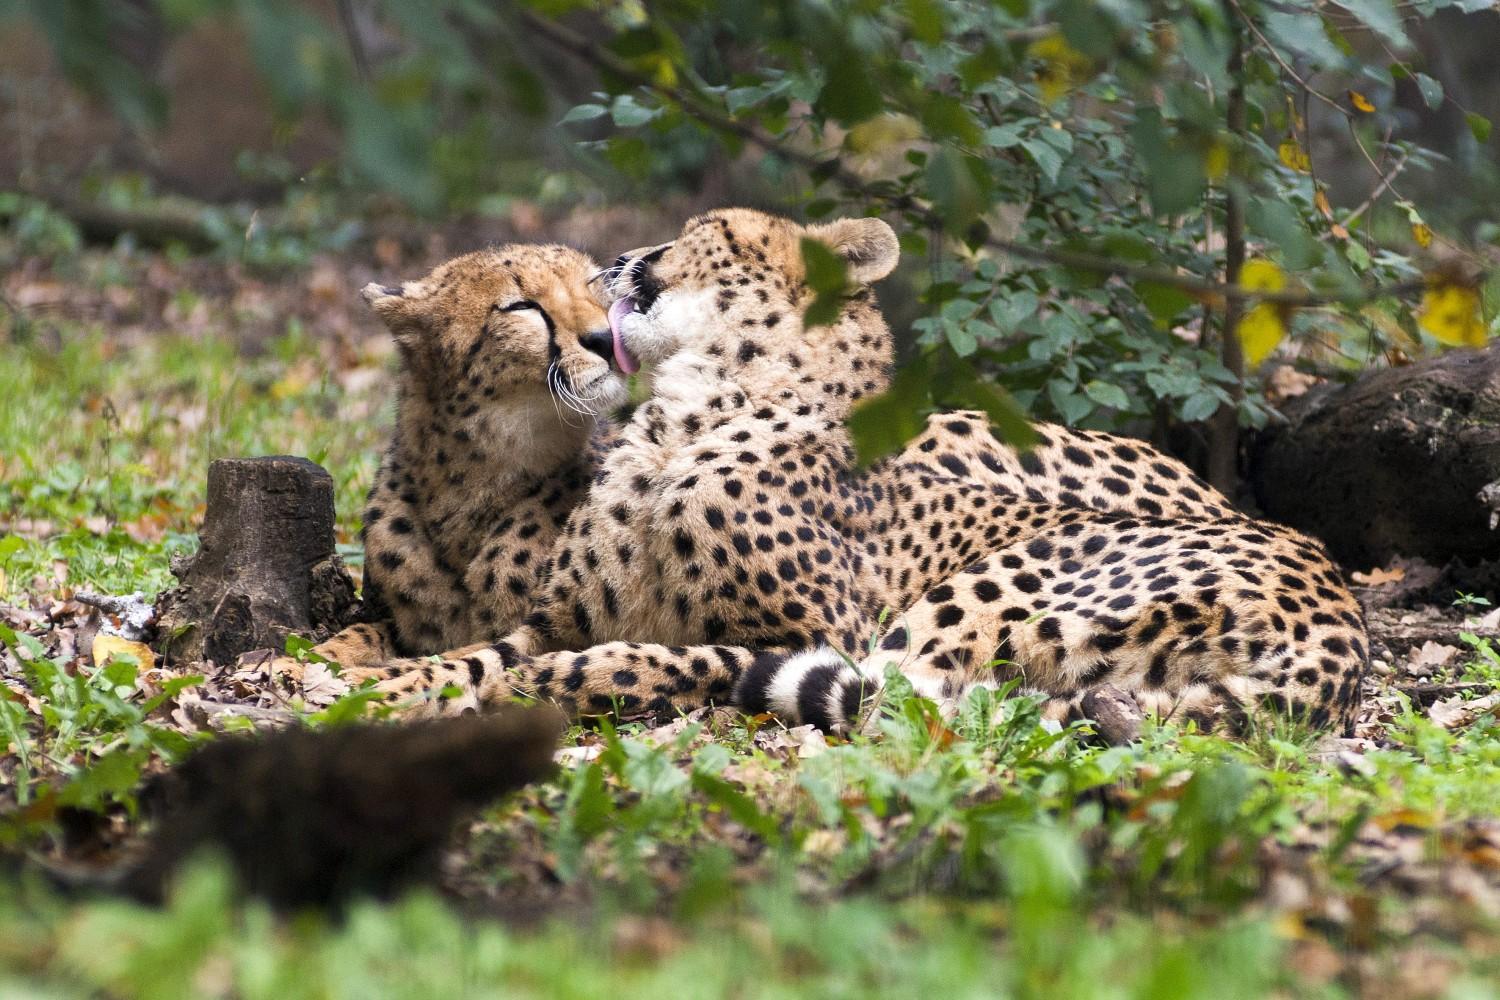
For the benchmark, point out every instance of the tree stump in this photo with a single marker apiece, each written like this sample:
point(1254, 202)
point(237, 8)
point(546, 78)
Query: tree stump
point(265, 565)
point(1404, 461)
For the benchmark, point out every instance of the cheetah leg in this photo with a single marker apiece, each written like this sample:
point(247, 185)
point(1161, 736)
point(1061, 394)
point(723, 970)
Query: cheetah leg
point(623, 677)
point(424, 598)
point(361, 645)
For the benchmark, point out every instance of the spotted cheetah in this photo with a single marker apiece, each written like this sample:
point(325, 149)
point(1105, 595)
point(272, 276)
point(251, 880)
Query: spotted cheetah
point(729, 529)
point(505, 366)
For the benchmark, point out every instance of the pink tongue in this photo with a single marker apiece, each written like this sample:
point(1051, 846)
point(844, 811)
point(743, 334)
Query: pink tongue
point(618, 311)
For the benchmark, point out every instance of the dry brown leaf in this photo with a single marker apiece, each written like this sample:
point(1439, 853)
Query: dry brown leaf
point(1378, 577)
point(1433, 654)
point(1456, 713)
point(320, 686)
point(1286, 382)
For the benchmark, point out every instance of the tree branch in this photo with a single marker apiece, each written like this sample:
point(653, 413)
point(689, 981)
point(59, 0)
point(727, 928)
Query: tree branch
point(707, 113)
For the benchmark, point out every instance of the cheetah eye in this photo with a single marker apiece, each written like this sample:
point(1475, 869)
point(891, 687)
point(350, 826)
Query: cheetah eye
point(521, 305)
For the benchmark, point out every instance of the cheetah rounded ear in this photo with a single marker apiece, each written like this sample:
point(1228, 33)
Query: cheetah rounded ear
point(868, 246)
point(382, 298)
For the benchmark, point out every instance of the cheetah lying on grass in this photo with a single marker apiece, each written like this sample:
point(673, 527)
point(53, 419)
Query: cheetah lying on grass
point(729, 529)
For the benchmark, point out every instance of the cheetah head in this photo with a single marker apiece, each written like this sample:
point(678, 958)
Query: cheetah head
point(502, 326)
point(732, 287)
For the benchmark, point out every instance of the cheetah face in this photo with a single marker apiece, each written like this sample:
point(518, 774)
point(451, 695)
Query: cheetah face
point(732, 286)
point(492, 327)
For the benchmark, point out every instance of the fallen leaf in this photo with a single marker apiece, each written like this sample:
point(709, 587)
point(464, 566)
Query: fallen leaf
point(320, 686)
point(1379, 577)
point(1286, 382)
point(1456, 713)
point(573, 756)
point(109, 646)
point(1433, 654)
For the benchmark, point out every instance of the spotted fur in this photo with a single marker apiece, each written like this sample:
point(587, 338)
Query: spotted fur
point(505, 364)
point(730, 530)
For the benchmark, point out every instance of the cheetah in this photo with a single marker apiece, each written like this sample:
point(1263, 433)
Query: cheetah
point(505, 369)
point(730, 530)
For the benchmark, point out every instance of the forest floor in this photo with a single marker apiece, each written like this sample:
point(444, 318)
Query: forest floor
point(994, 855)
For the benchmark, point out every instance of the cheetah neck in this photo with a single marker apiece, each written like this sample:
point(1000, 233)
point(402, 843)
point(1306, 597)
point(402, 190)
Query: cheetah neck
point(493, 450)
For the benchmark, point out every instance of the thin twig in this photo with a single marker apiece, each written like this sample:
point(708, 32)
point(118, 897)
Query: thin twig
point(832, 168)
point(1380, 189)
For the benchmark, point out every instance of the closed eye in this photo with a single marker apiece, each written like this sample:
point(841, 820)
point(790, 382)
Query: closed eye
point(520, 305)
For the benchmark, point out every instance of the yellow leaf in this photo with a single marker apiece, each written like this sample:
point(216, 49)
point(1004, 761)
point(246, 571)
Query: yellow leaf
point(1260, 330)
point(1063, 67)
point(108, 646)
point(881, 132)
point(1293, 155)
point(1261, 275)
point(1451, 314)
point(1360, 102)
point(1216, 161)
point(1320, 201)
point(1422, 234)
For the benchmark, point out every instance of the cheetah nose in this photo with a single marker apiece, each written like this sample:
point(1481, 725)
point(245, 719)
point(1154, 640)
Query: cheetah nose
point(601, 342)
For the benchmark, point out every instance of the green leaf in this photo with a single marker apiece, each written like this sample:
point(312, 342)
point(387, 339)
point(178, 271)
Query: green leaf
point(1304, 34)
point(627, 112)
point(955, 188)
point(740, 807)
point(1380, 17)
point(849, 94)
point(1479, 125)
point(883, 424)
point(1071, 406)
point(1432, 91)
point(827, 276)
point(1010, 311)
point(926, 18)
point(583, 113)
point(1164, 302)
point(1200, 406)
point(1174, 174)
point(1283, 229)
point(1003, 136)
point(1048, 160)
point(968, 388)
point(1107, 394)
point(960, 338)
point(110, 778)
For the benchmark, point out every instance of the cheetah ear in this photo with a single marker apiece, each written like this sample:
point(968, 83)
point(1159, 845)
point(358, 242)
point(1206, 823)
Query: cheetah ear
point(399, 307)
point(382, 298)
point(868, 246)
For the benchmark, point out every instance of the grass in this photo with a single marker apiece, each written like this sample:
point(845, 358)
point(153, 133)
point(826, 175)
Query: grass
point(992, 855)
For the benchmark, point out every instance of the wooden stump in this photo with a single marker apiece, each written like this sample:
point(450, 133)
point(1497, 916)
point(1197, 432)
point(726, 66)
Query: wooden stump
point(265, 566)
point(1117, 718)
point(1405, 461)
